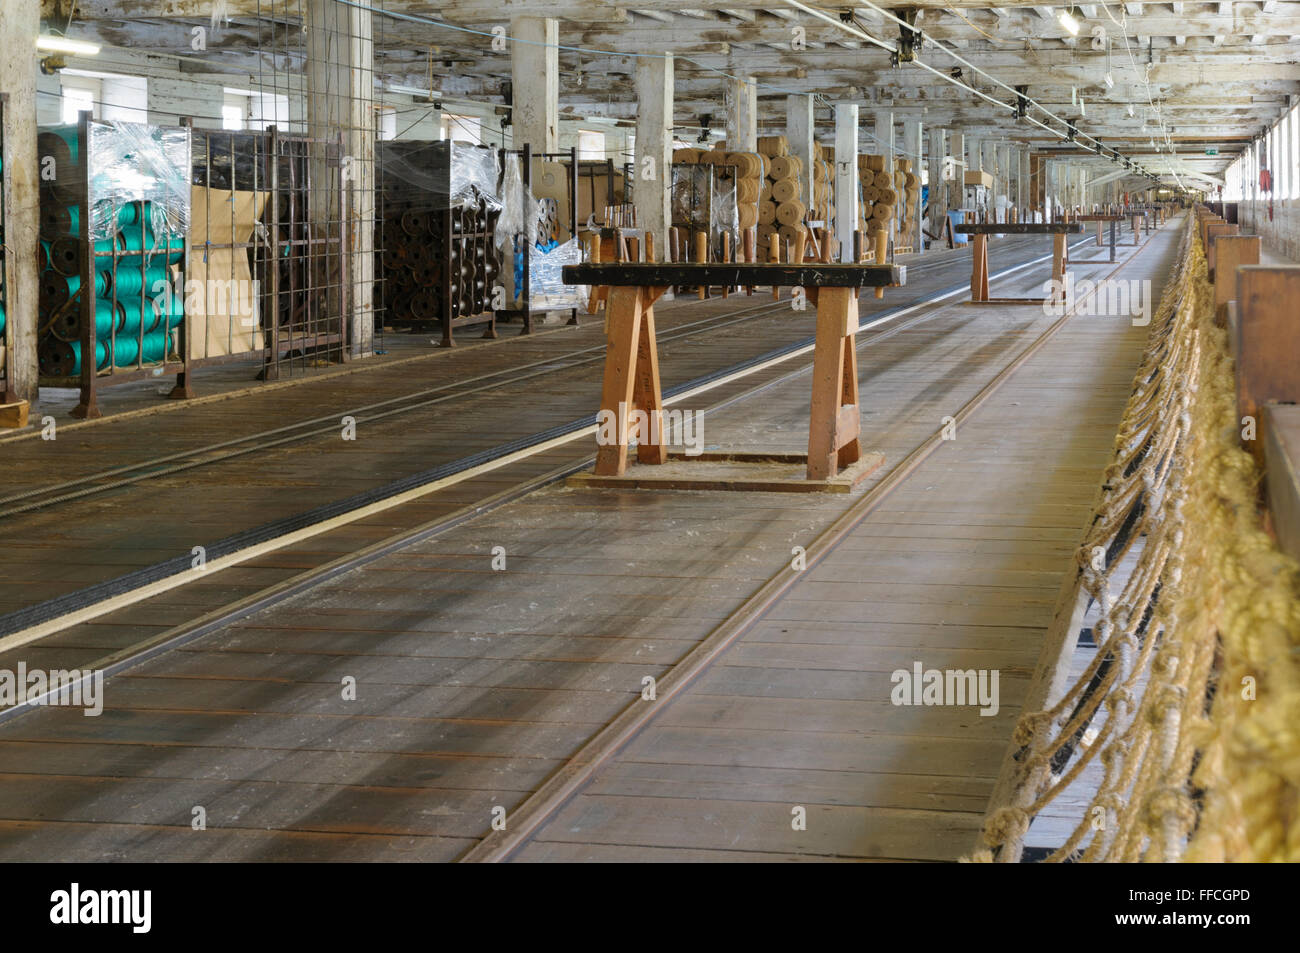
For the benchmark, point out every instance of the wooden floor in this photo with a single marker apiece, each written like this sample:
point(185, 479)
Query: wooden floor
point(57, 550)
point(475, 685)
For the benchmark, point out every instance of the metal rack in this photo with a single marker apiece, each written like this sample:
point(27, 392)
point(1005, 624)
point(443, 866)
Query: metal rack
point(69, 317)
point(303, 311)
point(438, 262)
point(523, 244)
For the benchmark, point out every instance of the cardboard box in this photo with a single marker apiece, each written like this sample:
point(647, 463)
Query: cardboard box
point(978, 178)
point(220, 297)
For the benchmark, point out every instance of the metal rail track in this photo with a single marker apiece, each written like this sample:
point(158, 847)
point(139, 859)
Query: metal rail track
point(327, 425)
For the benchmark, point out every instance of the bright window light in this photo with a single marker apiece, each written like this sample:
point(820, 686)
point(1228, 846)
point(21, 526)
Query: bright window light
point(75, 102)
point(232, 117)
point(1069, 22)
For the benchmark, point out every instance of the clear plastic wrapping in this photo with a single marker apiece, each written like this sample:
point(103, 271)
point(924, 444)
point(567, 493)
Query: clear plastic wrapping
point(546, 282)
point(474, 169)
point(131, 162)
point(447, 174)
point(520, 212)
point(704, 197)
point(724, 210)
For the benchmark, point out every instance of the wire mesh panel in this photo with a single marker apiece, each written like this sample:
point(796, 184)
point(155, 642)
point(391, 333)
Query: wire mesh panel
point(315, 83)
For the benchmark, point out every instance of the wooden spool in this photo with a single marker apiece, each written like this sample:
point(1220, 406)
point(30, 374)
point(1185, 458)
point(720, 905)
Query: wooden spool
point(785, 190)
point(791, 213)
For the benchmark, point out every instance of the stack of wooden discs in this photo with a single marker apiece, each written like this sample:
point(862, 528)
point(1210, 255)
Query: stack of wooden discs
point(781, 209)
point(751, 169)
point(824, 186)
point(879, 197)
point(908, 185)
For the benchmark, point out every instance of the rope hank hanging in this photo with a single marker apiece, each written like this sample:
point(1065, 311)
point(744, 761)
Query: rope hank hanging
point(1180, 740)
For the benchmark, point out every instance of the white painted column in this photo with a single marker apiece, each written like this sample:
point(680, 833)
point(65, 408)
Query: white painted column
point(957, 188)
point(19, 24)
point(535, 72)
point(340, 93)
point(912, 149)
point(799, 130)
point(974, 154)
point(742, 114)
point(654, 148)
point(938, 188)
point(846, 177)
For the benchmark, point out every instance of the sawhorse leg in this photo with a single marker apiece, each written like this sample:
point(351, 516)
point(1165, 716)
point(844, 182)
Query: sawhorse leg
point(833, 425)
point(1058, 266)
point(979, 272)
point(631, 377)
point(1112, 239)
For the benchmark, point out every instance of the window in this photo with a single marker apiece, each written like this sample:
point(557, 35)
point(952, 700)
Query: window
point(462, 128)
point(76, 100)
point(234, 109)
point(386, 121)
point(591, 145)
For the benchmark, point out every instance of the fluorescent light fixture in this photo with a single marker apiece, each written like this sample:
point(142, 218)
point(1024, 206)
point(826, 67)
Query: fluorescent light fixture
point(1130, 110)
point(61, 44)
point(1110, 80)
point(1069, 22)
point(412, 91)
point(1082, 110)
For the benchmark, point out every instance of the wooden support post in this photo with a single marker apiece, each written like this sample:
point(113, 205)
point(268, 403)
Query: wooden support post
point(833, 427)
point(1100, 240)
point(774, 256)
point(1212, 235)
point(979, 274)
point(882, 254)
point(1267, 341)
point(1059, 246)
point(1231, 252)
point(631, 381)
point(702, 254)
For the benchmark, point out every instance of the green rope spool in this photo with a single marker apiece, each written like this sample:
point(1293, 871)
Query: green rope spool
point(132, 311)
point(127, 349)
point(58, 220)
point(129, 279)
point(101, 356)
point(108, 316)
point(133, 242)
point(65, 256)
point(2, 317)
point(171, 307)
point(43, 256)
point(132, 213)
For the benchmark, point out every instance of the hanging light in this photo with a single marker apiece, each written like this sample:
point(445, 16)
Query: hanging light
point(1069, 22)
point(61, 44)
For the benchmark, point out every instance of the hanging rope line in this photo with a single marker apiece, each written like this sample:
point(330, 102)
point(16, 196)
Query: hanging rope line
point(1180, 739)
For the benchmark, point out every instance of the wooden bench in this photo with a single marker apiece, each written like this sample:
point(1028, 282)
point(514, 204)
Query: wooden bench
point(979, 277)
point(631, 377)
